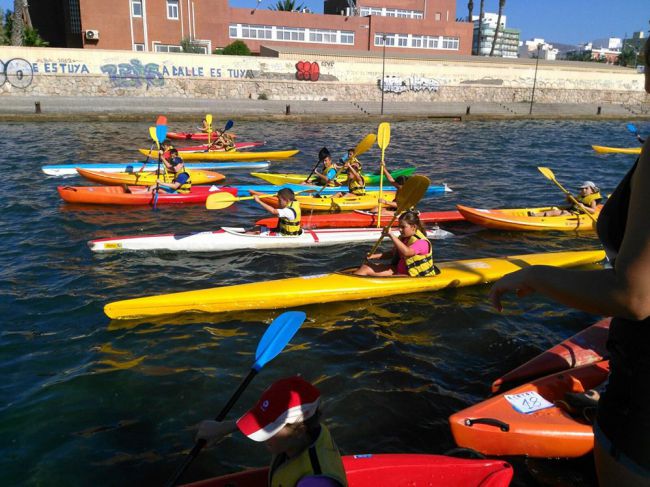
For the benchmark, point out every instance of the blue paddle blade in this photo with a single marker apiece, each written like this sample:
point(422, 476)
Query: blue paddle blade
point(228, 126)
point(276, 337)
point(161, 132)
point(632, 128)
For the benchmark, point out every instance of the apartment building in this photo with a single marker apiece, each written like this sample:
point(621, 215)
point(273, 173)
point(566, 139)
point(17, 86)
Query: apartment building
point(507, 44)
point(409, 26)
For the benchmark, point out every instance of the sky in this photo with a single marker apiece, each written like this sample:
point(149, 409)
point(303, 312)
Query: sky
point(563, 21)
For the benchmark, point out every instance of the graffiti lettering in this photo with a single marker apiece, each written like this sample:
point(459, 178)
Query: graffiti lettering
point(66, 68)
point(327, 64)
point(307, 71)
point(395, 84)
point(134, 75)
point(18, 72)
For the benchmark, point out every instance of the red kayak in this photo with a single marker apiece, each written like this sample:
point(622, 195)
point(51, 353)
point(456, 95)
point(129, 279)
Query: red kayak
point(394, 470)
point(238, 146)
point(585, 347)
point(193, 135)
point(361, 219)
point(135, 195)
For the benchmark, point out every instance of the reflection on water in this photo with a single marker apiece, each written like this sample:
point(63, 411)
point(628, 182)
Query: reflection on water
point(87, 401)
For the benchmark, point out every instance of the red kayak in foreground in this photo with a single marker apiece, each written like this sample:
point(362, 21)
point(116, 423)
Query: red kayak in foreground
point(204, 147)
point(361, 219)
point(585, 347)
point(394, 470)
point(135, 195)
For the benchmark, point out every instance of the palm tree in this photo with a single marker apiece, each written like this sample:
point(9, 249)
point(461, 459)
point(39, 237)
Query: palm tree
point(18, 27)
point(502, 3)
point(286, 6)
point(470, 8)
point(481, 14)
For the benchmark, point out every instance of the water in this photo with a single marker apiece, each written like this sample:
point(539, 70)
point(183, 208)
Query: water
point(86, 401)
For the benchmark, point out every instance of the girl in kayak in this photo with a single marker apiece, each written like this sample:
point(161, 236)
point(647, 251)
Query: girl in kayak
point(389, 206)
point(287, 419)
point(622, 427)
point(224, 141)
point(288, 214)
point(588, 201)
point(412, 255)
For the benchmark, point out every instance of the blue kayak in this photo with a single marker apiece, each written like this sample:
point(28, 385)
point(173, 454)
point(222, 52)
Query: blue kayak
point(71, 169)
point(271, 188)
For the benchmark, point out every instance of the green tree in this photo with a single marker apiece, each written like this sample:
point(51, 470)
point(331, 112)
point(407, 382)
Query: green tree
point(502, 4)
point(628, 57)
point(470, 9)
point(236, 48)
point(189, 46)
point(286, 6)
point(30, 36)
point(18, 27)
point(481, 15)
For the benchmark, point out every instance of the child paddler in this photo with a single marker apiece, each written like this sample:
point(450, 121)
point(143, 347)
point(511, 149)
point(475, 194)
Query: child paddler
point(224, 141)
point(411, 256)
point(288, 214)
point(287, 419)
point(180, 182)
point(588, 201)
point(356, 182)
point(327, 175)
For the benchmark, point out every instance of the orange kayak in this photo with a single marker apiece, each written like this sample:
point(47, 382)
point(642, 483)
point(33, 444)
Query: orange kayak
point(135, 195)
point(517, 219)
point(507, 424)
point(585, 347)
point(198, 176)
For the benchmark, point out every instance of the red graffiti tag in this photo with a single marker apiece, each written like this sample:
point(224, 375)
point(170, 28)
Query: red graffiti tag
point(307, 71)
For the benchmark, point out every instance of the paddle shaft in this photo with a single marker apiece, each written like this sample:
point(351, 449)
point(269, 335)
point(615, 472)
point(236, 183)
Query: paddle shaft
point(198, 446)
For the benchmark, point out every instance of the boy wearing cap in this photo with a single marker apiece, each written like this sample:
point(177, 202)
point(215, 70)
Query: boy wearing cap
point(588, 201)
point(287, 419)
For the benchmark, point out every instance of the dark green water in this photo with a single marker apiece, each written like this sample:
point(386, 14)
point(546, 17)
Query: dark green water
point(88, 402)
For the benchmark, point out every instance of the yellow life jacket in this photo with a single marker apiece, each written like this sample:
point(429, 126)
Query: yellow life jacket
point(420, 265)
point(587, 201)
point(322, 458)
point(355, 187)
point(185, 187)
point(290, 227)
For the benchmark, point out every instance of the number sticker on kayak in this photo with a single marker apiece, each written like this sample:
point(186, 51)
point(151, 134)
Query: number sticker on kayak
point(527, 402)
point(115, 245)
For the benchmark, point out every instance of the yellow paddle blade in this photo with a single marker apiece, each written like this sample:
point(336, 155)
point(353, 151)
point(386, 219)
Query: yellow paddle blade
point(412, 192)
point(383, 135)
point(219, 201)
point(152, 134)
point(548, 174)
point(367, 142)
point(208, 118)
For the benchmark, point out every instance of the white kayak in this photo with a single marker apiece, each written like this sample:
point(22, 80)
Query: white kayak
point(229, 239)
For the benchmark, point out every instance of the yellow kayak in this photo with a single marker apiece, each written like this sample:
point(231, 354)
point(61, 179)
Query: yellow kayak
point(289, 178)
point(616, 150)
point(338, 286)
point(517, 219)
point(232, 155)
point(198, 176)
point(336, 205)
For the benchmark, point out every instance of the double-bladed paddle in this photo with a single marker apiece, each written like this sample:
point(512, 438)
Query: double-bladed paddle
point(221, 200)
point(275, 338)
point(548, 174)
point(152, 134)
point(383, 139)
point(161, 133)
point(408, 196)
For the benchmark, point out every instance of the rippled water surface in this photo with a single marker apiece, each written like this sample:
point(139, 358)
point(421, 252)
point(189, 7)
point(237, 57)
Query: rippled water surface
point(86, 401)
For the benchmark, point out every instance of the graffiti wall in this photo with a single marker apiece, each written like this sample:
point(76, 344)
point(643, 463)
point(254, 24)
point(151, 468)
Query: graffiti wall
point(119, 73)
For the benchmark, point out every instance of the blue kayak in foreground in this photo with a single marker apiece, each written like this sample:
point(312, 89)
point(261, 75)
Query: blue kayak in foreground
point(329, 190)
point(71, 169)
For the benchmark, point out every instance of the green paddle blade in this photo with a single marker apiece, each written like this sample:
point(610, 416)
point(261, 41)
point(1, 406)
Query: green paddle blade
point(383, 135)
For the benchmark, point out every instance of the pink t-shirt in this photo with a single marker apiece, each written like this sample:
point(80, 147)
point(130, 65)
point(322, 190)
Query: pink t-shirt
point(421, 247)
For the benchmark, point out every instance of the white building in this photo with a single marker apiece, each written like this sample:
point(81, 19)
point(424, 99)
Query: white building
point(546, 50)
point(507, 41)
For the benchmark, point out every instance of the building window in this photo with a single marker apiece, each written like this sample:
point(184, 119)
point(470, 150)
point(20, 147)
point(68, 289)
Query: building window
point(450, 43)
point(291, 34)
point(167, 48)
point(138, 47)
point(136, 8)
point(172, 9)
point(402, 40)
point(391, 12)
point(438, 16)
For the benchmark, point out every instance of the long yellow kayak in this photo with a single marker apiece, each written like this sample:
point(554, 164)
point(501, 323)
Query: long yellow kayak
point(290, 178)
point(198, 176)
point(232, 155)
point(336, 205)
point(616, 150)
point(338, 286)
point(517, 219)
